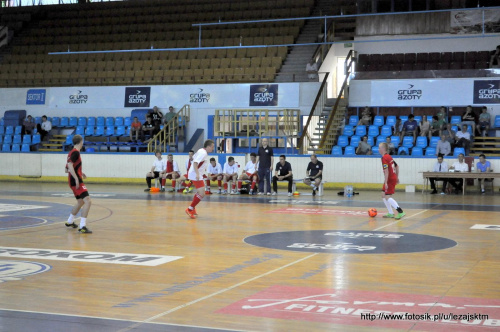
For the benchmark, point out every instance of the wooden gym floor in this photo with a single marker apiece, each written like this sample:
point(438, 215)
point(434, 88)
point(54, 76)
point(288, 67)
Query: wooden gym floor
point(256, 263)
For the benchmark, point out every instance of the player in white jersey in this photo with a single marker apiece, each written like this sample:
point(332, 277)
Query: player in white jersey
point(214, 172)
point(196, 173)
point(230, 173)
point(250, 173)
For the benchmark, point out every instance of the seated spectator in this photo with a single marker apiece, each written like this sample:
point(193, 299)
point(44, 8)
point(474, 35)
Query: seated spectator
point(443, 147)
point(250, 173)
point(435, 128)
point(148, 128)
point(28, 126)
point(484, 122)
point(214, 172)
point(439, 166)
point(157, 170)
point(157, 117)
point(391, 149)
point(424, 127)
point(463, 139)
point(483, 166)
point(366, 117)
point(469, 119)
point(135, 128)
point(397, 127)
point(363, 147)
point(458, 166)
point(314, 173)
point(449, 134)
point(495, 58)
point(230, 173)
point(172, 172)
point(410, 128)
point(44, 128)
point(283, 172)
point(312, 70)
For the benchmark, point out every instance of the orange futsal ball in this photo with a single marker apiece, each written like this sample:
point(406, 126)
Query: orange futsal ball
point(372, 212)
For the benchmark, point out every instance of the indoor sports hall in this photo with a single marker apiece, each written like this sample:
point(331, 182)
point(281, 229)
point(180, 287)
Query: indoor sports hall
point(113, 95)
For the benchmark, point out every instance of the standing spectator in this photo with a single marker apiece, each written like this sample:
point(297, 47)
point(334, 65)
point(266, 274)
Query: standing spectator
point(495, 58)
point(441, 114)
point(157, 117)
point(283, 172)
point(366, 117)
point(169, 116)
point(459, 166)
point(363, 147)
point(441, 167)
point(44, 128)
point(410, 128)
point(443, 147)
point(214, 172)
point(314, 173)
point(390, 146)
point(469, 118)
point(435, 127)
point(148, 128)
point(172, 172)
point(484, 122)
point(265, 159)
point(28, 126)
point(135, 128)
point(230, 173)
point(463, 139)
point(250, 173)
point(312, 70)
point(425, 127)
point(157, 170)
point(483, 166)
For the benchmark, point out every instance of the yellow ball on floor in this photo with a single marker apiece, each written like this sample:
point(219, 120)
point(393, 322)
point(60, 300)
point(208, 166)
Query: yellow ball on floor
point(296, 193)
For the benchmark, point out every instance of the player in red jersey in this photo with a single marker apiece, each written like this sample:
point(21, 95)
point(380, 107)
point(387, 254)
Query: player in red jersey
point(172, 172)
point(391, 171)
point(75, 181)
point(195, 174)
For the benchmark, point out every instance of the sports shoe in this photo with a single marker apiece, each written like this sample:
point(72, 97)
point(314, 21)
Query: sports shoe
point(190, 189)
point(237, 193)
point(259, 193)
point(224, 192)
point(434, 192)
point(171, 190)
point(233, 192)
point(483, 192)
point(162, 190)
point(219, 192)
point(268, 194)
point(84, 230)
point(274, 193)
point(194, 212)
point(71, 225)
point(400, 215)
point(289, 194)
point(180, 190)
point(389, 215)
point(208, 192)
point(443, 193)
point(148, 189)
point(250, 192)
point(190, 213)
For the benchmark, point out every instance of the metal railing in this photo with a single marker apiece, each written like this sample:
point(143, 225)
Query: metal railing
point(169, 135)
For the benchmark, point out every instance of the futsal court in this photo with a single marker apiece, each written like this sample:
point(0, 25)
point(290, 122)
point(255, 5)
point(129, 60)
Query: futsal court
point(247, 263)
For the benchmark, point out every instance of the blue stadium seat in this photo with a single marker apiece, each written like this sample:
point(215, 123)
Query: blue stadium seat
point(434, 141)
point(99, 131)
point(429, 118)
point(403, 118)
point(375, 151)
point(348, 131)
point(337, 150)
point(101, 121)
point(395, 140)
point(421, 142)
point(380, 139)
point(127, 131)
point(56, 121)
point(89, 131)
point(373, 130)
point(6, 147)
point(73, 121)
point(378, 120)
point(360, 130)
point(17, 139)
point(418, 118)
point(454, 128)
point(430, 151)
point(371, 141)
point(417, 151)
point(350, 151)
point(386, 130)
point(38, 120)
point(1, 122)
point(343, 141)
point(64, 122)
point(110, 121)
point(35, 139)
point(455, 119)
point(82, 121)
point(355, 141)
point(2, 130)
point(353, 120)
point(16, 148)
point(69, 140)
point(18, 130)
point(120, 131)
point(403, 148)
point(9, 130)
point(128, 121)
point(408, 141)
point(110, 131)
point(27, 139)
point(457, 151)
point(91, 121)
point(497, 121)
point(7, 139)
point(80, 130)
point(25, 148)
point(391, 120)
point(119, 121)
point(1, 139)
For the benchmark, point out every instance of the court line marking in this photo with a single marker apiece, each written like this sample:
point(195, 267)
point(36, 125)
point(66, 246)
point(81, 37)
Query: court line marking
point(396, 221)
point(216, 293)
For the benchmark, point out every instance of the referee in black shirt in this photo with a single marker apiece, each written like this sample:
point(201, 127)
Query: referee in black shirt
point(265, 159)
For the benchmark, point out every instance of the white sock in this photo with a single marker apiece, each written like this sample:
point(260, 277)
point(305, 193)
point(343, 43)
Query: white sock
point(82, 222)
point(71, 218)
point(388, 206)
point(393, 203)
point(312, 185)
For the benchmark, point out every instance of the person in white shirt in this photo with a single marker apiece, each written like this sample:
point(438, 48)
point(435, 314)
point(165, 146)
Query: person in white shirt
point(195, 175)
point(230, 173)
point(250, 173)
point(463, 139)
point(172, 172)
point(184, 179)
point(44, 128)
point(443, 146)
point(459, 166)
point(157, 170)
point(214, 172)
point(441, 167)
point(312, 70)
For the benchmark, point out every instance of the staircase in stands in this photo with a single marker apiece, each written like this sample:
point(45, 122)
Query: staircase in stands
point(332, 135)
point(54, 144)
point(490, 146)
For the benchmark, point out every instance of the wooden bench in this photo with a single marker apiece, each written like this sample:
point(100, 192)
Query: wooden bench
point(320, 188)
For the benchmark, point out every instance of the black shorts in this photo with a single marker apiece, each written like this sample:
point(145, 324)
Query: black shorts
point(83, 195)
point(156, 175)
point(319, 177)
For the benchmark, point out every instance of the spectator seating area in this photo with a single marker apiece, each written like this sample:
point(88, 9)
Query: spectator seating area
point(423, 61)
point(152, 25)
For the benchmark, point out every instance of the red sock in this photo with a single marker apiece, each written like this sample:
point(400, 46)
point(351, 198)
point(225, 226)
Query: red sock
point(233, 186)
point(219, 182)
point(239, 185)
point(196, 199)
point(253, 185)
point(225, 186)
point(173, 184)
point(208, 183)
point(163, 182)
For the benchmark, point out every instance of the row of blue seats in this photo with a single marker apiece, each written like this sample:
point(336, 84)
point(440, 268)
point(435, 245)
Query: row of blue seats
point(18, 139)
point(373, 130)
point(415, 152)
point(102, 131)
point(421, 141)
point(15, 147)
point(90, 121)
point(379, 120)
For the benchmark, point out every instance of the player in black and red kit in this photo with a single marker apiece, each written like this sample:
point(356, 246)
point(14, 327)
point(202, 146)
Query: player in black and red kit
point(75, 181)
point(391, 172)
